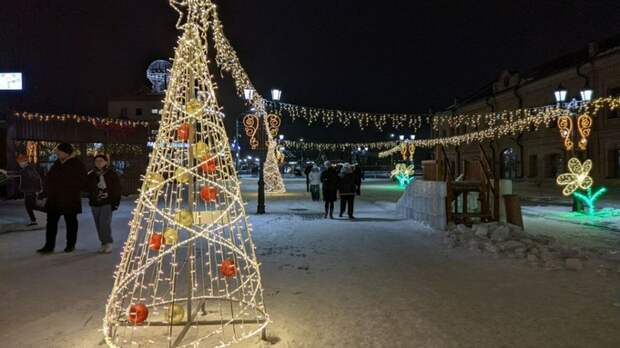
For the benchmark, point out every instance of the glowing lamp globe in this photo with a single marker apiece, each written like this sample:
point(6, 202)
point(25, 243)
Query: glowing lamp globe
point(183, 131)
point(171, 236)
point(227, 268)
point(138, 313)
point(184, 218)
point(208, 194)
point(176, 314)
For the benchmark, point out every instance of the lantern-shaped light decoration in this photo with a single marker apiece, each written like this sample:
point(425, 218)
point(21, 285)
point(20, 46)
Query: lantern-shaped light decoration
point(560, 94)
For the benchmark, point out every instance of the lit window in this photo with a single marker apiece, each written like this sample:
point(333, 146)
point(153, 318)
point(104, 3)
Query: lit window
point(154, 111)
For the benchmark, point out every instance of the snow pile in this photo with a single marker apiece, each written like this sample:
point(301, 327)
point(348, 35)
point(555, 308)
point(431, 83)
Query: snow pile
point(504, 239)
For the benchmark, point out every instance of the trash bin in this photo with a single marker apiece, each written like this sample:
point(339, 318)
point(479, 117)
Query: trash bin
point(513, 210)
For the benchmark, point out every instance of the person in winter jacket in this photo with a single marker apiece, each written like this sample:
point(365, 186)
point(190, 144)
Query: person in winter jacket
point(329, 179)
point(347, 188)
point(64, 183)
point(307, 171)
point(359, 176)
point(30, 185)
point(315, 183)
point(104, 196)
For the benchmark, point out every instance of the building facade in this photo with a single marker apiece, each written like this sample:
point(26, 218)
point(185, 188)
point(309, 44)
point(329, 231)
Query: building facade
point(534, 159)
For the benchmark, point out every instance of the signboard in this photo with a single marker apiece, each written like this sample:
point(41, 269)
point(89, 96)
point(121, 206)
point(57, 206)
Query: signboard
point(11, 81)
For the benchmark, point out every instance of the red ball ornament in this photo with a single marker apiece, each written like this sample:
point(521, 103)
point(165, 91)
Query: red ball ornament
point(138, 313)
point(156, 241)
point(183, 131)
point(208, 194)
point(208, 166)
point(227, 268)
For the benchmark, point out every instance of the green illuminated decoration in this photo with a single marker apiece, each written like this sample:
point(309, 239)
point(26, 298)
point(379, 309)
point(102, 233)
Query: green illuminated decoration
point(403, 174)
point(589, 199)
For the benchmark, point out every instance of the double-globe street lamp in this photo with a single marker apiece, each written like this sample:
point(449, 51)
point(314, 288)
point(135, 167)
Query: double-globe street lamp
point(261, 136)
point(573, 106)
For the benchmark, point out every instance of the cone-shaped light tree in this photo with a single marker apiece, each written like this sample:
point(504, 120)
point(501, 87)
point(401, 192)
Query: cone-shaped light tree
point(188, 276)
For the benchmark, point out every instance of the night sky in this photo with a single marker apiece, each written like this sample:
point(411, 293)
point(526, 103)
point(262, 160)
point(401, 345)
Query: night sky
point(378, 56)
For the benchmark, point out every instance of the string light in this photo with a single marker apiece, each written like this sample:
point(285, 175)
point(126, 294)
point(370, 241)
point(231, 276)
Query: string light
point(271, 171)
point(590, 198)
point(169, 289)
point(377, 145)
point(99, 122)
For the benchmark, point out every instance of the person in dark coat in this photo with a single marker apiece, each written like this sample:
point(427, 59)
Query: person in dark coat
point(307, 171)
point(104, 196)
point(30, 185)
point(359, 176)
point(329, 179)
point(347, 188)
point(64, 183)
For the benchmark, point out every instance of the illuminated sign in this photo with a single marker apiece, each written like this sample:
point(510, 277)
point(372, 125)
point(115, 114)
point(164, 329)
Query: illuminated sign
point(10, 81)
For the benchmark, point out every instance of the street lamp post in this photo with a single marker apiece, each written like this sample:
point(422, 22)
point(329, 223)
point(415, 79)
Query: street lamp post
point(262, 154)
point(573, 106)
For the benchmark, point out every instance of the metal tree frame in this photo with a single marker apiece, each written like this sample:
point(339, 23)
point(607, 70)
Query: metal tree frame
point(191, 301)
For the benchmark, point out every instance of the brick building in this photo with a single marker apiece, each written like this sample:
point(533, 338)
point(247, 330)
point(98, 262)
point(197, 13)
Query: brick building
point(534, 159)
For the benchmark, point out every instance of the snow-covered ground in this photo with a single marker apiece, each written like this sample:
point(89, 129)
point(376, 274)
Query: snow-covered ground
point(377, 281)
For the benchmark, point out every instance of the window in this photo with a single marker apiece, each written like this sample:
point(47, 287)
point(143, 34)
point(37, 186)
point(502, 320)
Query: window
point(533, 167)
point(509, 163)
point(614, 92)
point(554, 165)
point(124, 112)
point(154, 111)
point(138, 111)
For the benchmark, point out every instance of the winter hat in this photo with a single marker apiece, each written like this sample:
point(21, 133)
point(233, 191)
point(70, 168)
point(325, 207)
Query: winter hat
point(65, 147)
point(100, 155)
point(21, 158)
point(327, 164)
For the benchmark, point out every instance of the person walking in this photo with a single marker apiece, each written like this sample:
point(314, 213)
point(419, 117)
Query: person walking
point(329, 179)
point(315, 183)
point(347, 188)
point(30, 185)
point(307, 171)
point(359, 176)
point(64, 183)
point(104, 196)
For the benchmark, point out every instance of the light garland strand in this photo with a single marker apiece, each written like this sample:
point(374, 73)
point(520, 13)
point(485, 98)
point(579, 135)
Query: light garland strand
point(377, 145)
point(92, 120)
point(346, 118)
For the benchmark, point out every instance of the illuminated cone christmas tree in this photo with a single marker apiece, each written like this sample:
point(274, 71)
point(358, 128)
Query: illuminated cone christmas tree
point(188, 276)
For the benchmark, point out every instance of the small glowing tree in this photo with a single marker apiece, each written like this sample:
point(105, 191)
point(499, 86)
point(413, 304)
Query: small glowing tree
point(403, 174)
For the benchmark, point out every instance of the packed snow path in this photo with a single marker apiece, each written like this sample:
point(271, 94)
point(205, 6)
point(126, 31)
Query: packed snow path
point(377, 281)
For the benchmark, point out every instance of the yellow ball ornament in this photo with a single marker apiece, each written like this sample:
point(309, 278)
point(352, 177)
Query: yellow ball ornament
point(152, 180)
point(182, 175)
point(176, 314)
point(200, 149)
point(194, 106)
point(171, 236)
point(184, 218)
